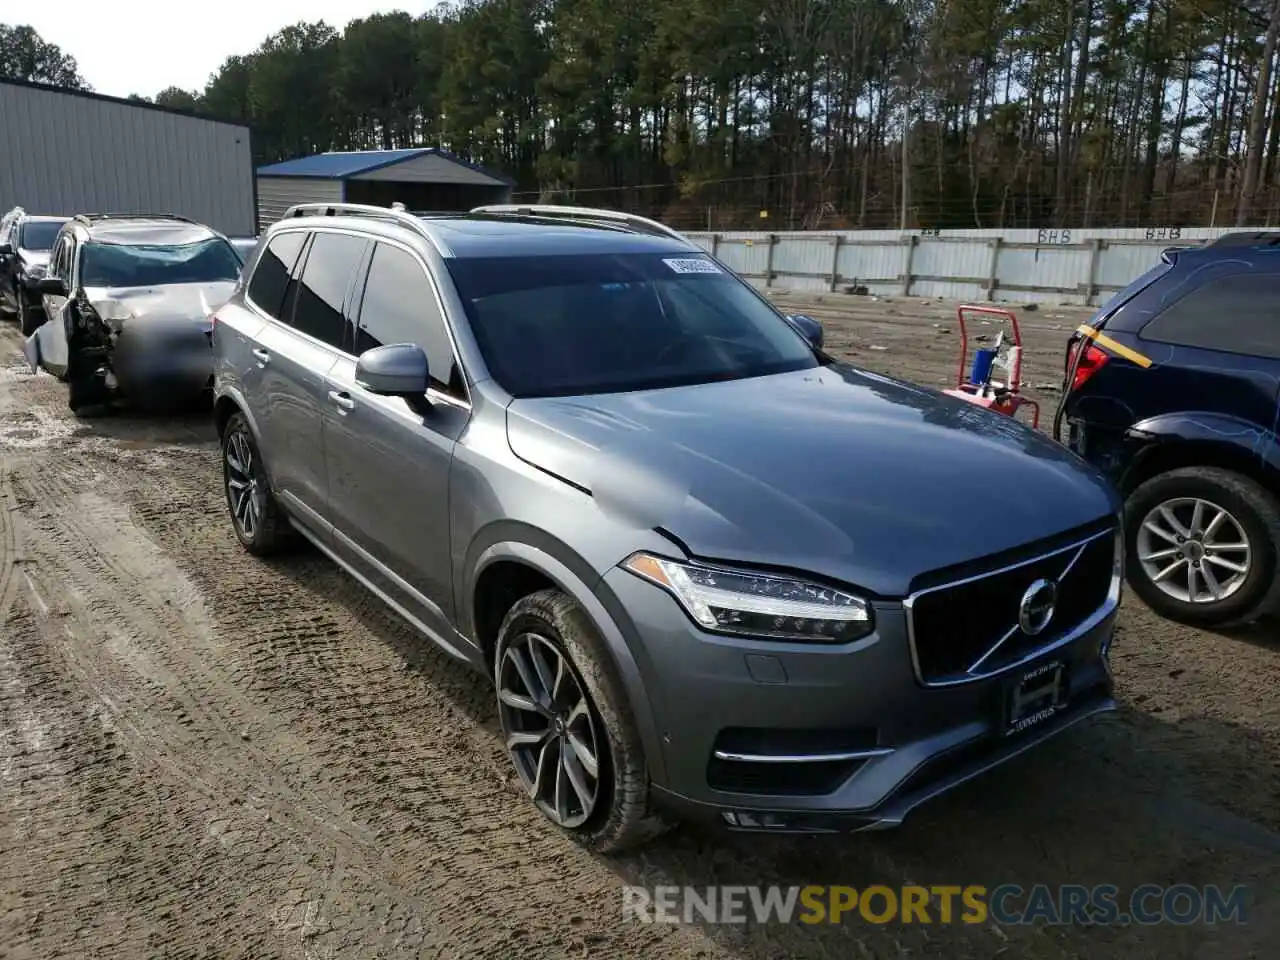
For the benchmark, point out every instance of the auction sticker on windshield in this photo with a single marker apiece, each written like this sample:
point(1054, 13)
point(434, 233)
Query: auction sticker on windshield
point(691, 265)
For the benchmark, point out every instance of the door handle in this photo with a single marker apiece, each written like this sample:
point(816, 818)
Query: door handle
point(342, 399)
point(263, 357)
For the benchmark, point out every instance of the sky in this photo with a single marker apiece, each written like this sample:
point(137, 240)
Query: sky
point(143, 46)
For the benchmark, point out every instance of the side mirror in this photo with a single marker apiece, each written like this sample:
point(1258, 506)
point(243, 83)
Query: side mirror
point(394, 370)
point(810, 328)
point(6, 249)
point(54, 286)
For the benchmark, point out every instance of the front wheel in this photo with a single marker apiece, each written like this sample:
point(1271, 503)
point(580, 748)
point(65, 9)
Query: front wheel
point(29, 318)
point(1203, 546)
point(87, 394)
point(567, 728)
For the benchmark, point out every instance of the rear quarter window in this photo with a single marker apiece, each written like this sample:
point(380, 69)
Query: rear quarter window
point(270, 277)
point(1233, 313)
point(1112, 313)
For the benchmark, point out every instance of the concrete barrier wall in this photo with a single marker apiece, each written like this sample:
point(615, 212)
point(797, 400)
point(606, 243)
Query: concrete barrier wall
point(1046, 266)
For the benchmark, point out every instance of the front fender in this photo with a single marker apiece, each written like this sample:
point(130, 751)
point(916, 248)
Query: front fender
point(568, 579)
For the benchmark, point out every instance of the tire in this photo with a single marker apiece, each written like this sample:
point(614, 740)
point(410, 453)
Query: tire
point(1253, 517)
point(268, 530)
point(620, 817)
point(29, 319)
point(88, 396)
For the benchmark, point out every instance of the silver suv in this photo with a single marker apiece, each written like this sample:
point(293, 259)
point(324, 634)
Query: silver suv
point(710, 570)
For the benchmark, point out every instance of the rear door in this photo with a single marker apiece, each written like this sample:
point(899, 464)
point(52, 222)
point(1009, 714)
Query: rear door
point(239, 357)
point(294, 353)
point(388, 457)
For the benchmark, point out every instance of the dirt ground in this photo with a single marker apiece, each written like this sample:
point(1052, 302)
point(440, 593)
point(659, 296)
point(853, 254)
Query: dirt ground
point(206, 755)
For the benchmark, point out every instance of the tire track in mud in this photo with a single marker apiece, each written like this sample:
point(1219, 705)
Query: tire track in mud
point(124, 861)
point(10, 558)
point(141, 640)
point(155, 713)
point(413, 762)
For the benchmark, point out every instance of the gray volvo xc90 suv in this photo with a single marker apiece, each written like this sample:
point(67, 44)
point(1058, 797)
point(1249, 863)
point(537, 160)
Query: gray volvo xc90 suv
point(710, 570)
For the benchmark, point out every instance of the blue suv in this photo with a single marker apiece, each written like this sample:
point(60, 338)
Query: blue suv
point(1172, 391)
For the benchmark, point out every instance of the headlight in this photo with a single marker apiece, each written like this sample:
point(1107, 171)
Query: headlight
point(757, 605)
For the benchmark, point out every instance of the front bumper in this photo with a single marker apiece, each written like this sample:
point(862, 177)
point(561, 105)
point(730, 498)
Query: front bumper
point(163, 361)
point(788, 737)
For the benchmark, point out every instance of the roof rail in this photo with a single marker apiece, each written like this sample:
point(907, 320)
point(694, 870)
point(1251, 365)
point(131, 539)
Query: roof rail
point(93, 217)
point(638, 224)
point(1246, 238)
point(402, 217)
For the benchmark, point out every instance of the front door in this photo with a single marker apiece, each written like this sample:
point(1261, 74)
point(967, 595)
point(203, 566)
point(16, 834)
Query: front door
point(389, 457)
point(52, 337)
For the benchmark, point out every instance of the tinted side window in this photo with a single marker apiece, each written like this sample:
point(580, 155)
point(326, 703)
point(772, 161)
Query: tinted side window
point(400, 307)
point(68, 265)
point(58, 264)
point(331, 262)
point(271, 276)
point(1239, 313)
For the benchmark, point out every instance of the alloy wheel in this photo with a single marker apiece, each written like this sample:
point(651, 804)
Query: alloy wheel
point(242, 485)
point(1194, 550)
point(552, 734)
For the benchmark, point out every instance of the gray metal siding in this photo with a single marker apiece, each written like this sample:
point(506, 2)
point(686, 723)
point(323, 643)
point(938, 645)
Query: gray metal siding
point(431, 168)
point(1083, 266)
point(278, 194)
point(64, 154)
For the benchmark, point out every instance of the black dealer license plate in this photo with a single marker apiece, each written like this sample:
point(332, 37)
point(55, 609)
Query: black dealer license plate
point(1036, 696)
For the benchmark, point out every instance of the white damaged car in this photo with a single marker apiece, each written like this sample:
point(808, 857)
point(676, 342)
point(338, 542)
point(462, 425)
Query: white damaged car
point(130, 300)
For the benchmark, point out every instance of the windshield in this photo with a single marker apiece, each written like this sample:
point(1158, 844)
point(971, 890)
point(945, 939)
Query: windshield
point(144, 265)
point(39, 234)
point(571, 325)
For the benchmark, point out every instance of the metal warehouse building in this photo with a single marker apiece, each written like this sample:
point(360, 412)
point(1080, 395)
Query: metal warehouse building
point(64, 152)
point(422, 179)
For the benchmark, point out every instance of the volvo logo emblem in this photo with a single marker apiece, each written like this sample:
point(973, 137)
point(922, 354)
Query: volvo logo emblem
point(1037, 607)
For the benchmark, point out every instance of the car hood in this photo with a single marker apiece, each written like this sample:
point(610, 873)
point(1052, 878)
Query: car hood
point(173, 301)
point(835, 470)
point(34, 258)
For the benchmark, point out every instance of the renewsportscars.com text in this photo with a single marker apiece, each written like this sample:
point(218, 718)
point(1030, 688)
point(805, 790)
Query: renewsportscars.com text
point(1006, 904)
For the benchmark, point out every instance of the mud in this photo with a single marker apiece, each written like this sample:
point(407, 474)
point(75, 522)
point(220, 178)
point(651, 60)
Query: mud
point(206, 755)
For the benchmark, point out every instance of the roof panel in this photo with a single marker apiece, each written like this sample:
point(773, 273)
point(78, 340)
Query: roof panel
point(340, 164)
point(435, 167)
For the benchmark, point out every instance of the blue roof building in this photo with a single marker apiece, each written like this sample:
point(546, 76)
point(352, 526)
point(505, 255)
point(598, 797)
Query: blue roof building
point(424, 178)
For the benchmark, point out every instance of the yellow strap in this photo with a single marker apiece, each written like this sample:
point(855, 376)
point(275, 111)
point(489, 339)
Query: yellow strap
point(1102, 340)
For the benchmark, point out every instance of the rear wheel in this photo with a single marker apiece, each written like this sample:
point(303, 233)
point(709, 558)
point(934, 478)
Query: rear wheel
point(1203, 546)
point(259, 523)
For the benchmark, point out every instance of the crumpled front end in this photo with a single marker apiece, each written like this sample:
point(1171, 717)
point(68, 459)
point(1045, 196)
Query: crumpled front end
point(154, 344)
